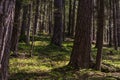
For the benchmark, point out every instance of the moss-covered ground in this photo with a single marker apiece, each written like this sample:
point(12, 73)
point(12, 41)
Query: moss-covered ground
point(50, 63)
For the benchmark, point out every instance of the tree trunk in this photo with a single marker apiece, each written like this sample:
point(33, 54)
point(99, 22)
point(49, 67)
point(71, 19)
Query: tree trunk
point(28, 24)
point(64, 19)
point(110, 24)
point(70, 20)
point(36, 17)
point(100, 24)
point(6, 24)
point(24, 23)
point(118, 21)
point(16, 27)
point(58, 26)
point(115, 25)
point(80, 56)
point(73, 18)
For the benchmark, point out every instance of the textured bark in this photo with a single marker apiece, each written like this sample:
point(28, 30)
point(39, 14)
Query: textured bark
point(28, 24)
point(80, 56)
point(93, 22)
point(115, 25)
point(16, 27)
point(73, 18)
point(64, 19)
point(50, 17)
point(58, 26)
point(100, 27)
point(70, 18)
point(118, 21)
point(24, 23)
point(110, 24)
point(6, 25)
point(36, 16)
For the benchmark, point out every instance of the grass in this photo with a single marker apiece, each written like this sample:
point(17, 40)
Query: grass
point(49, 63)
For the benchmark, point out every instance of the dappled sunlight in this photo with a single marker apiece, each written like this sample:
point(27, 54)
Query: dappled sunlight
point(50, 62)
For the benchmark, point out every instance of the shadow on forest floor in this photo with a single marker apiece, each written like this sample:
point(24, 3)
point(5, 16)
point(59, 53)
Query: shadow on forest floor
point(49, 63)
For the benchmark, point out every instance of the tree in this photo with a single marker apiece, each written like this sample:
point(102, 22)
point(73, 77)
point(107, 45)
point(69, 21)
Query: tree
point(115, 40)
point(16, 27)
point(6, 24)
point(36, 16)
point(80, 56)
point(29, 23)
point(118, 21)
point(100, 27)
point(110, 24)
point(73, 18)
point(70, 17)
point(24, 23)
point(57, 37)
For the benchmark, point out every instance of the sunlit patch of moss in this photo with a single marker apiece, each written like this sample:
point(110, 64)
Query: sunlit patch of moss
point(40, 43)
point(113, 63)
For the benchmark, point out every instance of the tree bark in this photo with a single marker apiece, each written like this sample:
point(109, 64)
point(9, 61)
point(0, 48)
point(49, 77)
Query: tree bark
point(100, 28)
point(58, 26)
point(16, 27)
point(110, 24)
point(36, 17)
point(24, 23)
point(115, 25)
point(73, 18)
point(80, 56)
point(28, 24)
point(6, 24)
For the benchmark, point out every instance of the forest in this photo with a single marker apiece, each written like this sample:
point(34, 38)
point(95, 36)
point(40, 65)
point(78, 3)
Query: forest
point(59, 39)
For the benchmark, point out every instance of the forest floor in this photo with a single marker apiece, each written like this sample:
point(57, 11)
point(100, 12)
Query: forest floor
point(50, 63)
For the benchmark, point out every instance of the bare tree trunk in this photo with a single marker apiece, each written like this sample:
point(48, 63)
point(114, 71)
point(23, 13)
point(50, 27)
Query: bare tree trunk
point(64, 19)
point(58, 26)
point(6, 24)
point(36, 17)
point(16, 27)
point(115, 25)
point(24, 23)
point(70, 19)
point(73, 18)
point(29, 24)
point(110, 24)
point(80, 56)
point(118, 21)
point(100, 28)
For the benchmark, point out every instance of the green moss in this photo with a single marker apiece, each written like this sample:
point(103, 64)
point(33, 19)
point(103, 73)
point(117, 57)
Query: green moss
point(49, 62)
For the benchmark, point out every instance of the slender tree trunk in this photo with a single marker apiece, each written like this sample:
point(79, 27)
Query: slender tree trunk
point(16, 27)
point(36, 16)
point(73, 18)
point(24, 23)
point(118, 21)
point(110, 24)
point(58, 26)
point(100, 28)
point(115, 25)
point(6, 24)
point(50, 17)
point(28, 24)
point(70, 20)
point(64, 19)
point(93, 22)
